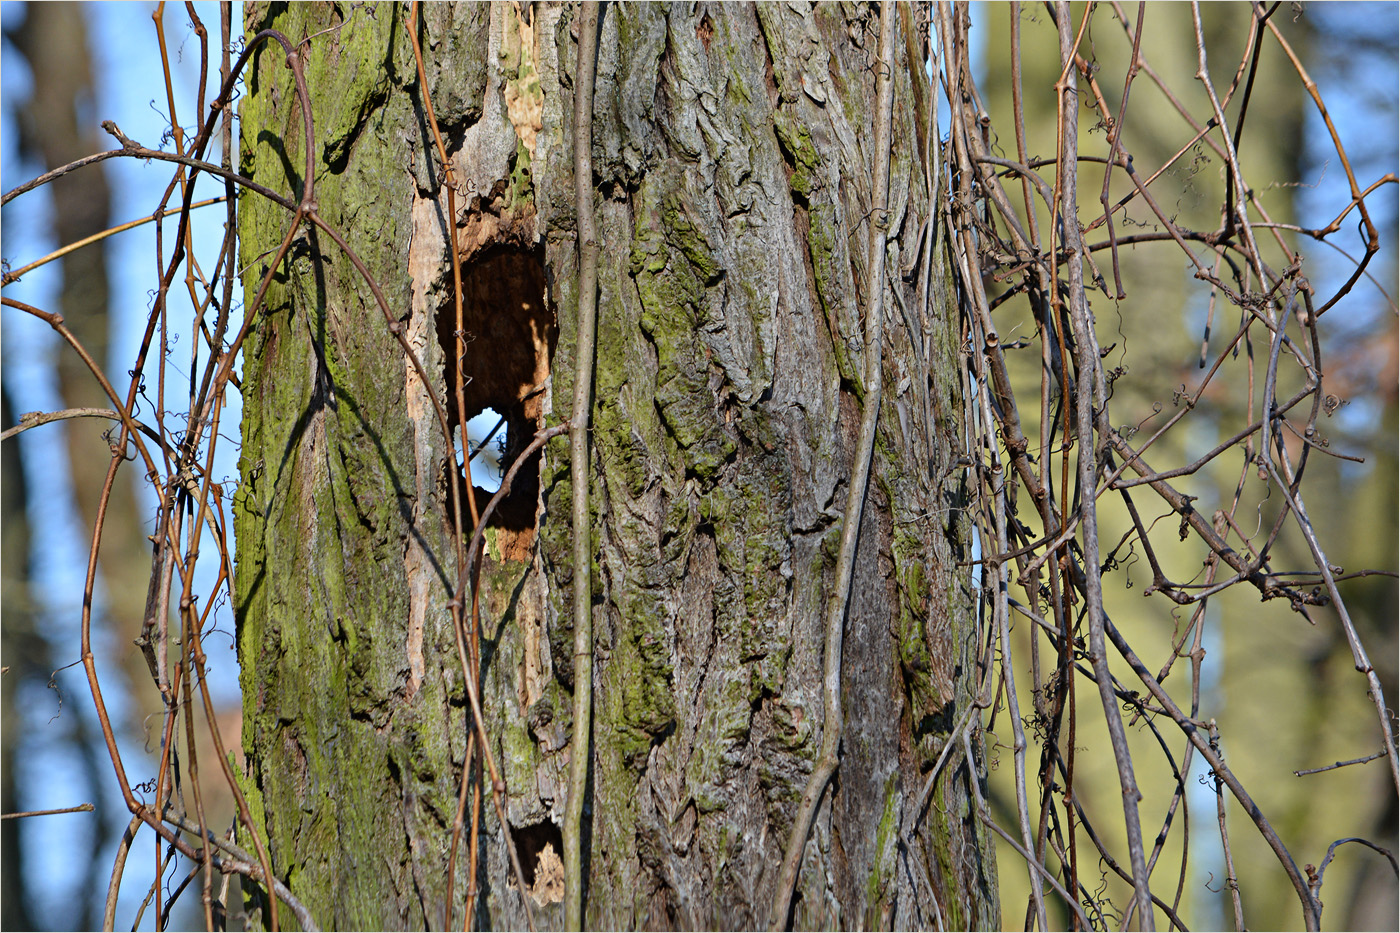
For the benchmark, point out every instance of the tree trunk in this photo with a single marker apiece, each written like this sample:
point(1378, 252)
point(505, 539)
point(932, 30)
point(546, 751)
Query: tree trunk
point(731, 148)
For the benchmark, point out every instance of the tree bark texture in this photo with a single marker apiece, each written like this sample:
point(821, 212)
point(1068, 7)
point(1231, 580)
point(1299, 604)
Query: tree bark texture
point(731, 149)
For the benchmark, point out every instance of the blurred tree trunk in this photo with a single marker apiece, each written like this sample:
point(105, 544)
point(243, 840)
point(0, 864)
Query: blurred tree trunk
point(23, 656)
point(58, 125)
point(732, 152)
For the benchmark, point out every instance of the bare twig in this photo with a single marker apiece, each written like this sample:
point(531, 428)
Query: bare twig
point(832, 718)
point(1340, 764)
point(80, 808)
point(1091, 388)
point(580, 469)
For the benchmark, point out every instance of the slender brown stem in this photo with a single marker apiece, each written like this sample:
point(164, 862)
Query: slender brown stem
point(581, 742)
point(832, 717)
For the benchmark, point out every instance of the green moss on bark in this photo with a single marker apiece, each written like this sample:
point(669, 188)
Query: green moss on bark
point(725, 396)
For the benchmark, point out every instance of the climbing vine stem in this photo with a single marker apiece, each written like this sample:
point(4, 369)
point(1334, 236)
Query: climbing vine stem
point(578, 463)
point(860, 476)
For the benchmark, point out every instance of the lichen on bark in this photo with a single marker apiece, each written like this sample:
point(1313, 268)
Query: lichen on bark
point(731, 160)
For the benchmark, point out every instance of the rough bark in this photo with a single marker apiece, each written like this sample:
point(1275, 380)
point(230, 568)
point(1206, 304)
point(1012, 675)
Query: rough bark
point(732, 165)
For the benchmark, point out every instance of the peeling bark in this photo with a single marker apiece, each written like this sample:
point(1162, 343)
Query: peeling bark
point(731, 157)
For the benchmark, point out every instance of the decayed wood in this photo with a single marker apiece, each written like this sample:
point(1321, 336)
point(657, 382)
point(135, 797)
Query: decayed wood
point(732, 156)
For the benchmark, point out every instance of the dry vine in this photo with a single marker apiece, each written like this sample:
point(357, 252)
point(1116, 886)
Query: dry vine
point(1059, 555)
point(579, 466)
point(832, 719)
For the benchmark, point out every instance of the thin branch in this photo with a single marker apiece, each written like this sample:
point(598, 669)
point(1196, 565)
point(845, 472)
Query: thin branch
point(1089, 389)
point(80, 808)
point(580, 468)
point(832, 722)
point(1340, 764)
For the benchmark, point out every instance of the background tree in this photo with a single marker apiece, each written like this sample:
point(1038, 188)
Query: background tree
point(52, 40)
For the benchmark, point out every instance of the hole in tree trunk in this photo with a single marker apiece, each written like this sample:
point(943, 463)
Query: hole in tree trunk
point(510, 333)
point(540, 847)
